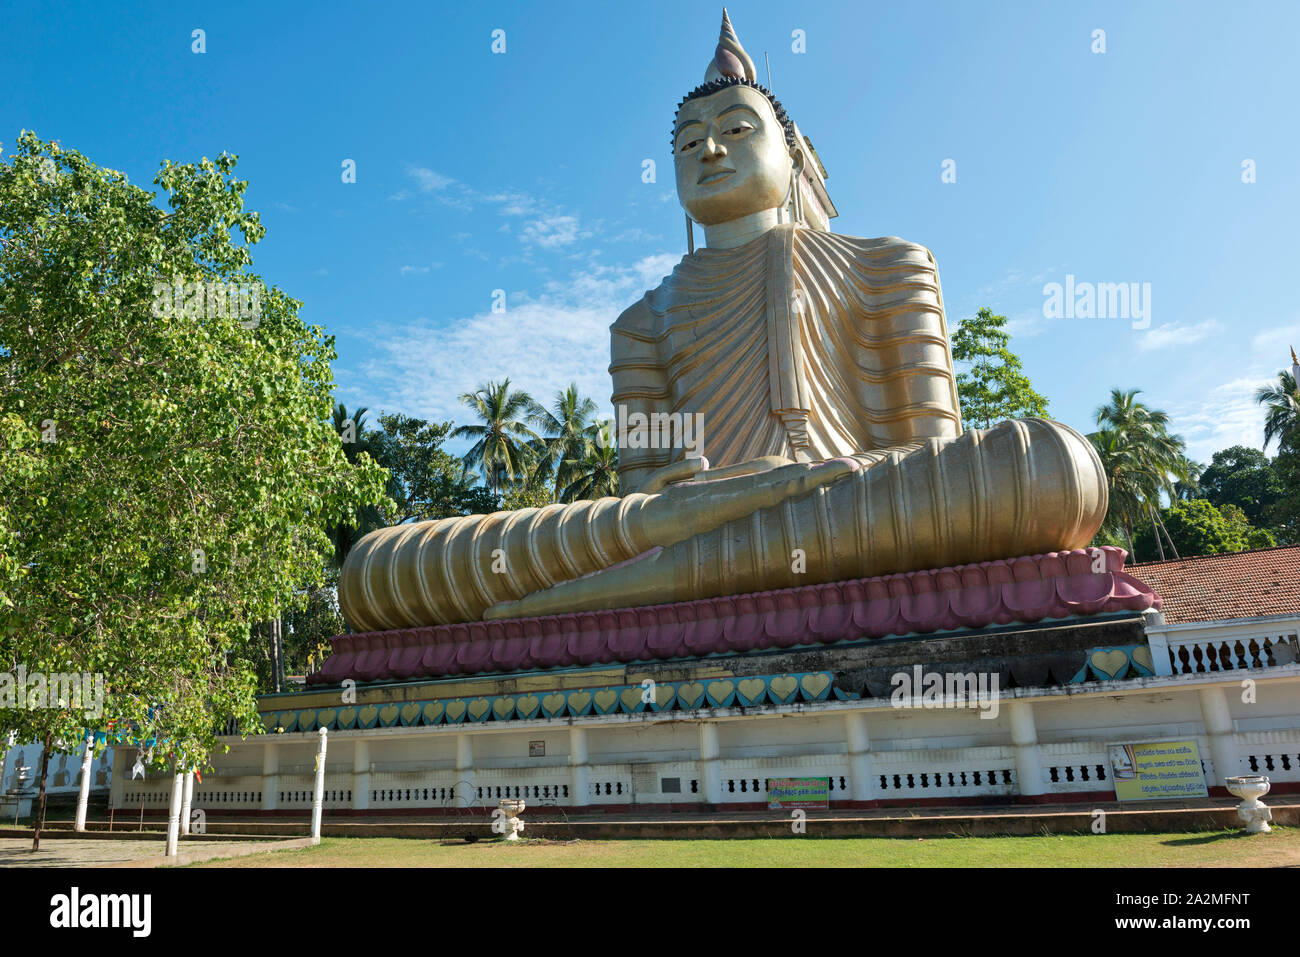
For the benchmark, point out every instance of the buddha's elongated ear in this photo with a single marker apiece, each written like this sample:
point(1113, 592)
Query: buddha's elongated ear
point(794, 197)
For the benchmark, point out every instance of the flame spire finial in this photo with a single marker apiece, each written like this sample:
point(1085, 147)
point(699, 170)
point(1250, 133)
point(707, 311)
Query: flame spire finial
point(730, 58)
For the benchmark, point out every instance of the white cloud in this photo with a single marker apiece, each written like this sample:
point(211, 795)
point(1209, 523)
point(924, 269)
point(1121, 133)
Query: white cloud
point(429, 180)
point(542, 344)
point(1023, 325)
point(419, 270)
point(1173, 335)
point(1227, 414)
point(1275, 344)
point(551, 231)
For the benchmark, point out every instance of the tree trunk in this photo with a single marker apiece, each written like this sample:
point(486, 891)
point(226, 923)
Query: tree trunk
point(1155, 531)
point(1128, 536)
point(1172, 546)
point(277, 652)
point(40, 812)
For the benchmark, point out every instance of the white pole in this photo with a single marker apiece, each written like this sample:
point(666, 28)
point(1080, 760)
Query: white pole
point(174, 814)
point(318, 799)
point(579, 769)
point(83, 795)
point(710, 764)
point(187, 800)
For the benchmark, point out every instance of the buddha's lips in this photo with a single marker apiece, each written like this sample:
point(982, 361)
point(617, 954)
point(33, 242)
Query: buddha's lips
point(713, 176)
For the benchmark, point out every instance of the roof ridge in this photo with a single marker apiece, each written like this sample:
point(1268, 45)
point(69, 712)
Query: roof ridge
point(1191, 558)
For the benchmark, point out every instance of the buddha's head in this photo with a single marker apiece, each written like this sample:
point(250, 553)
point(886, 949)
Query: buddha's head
point(734, 148)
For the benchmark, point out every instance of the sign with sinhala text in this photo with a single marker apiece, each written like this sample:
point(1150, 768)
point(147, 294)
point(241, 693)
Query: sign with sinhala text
point(1157, 770)
point(798, 792)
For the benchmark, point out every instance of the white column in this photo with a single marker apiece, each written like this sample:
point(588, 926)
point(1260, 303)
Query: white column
point(83, 795)
point(1024, 735)
point(465, 770)
point(187, 801)
point(1158, 642)
point(318, 795)
point(861, 772)
point(710, 764)
point(174, 814)
point(1218, 727)
point(361, 775)
point(270, 775)
point(579, 769)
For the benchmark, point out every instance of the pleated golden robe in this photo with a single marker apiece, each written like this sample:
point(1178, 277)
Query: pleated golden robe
point(801, 343)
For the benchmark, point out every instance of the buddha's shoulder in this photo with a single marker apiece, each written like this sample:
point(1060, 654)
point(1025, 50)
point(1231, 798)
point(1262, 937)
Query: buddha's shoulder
point(879, 252)
point(637, 319)
point(644, 316)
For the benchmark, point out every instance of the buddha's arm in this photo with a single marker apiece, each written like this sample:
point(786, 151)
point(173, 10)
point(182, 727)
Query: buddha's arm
point(900, 361)
point(640, 385)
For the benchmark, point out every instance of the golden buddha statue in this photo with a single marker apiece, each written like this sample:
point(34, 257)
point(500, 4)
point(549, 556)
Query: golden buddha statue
point(819, 369)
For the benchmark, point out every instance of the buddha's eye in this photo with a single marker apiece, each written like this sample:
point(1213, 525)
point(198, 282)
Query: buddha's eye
point(736, 130)
point(689, 146)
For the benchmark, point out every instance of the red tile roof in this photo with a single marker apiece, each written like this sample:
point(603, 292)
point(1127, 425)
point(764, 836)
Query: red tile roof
point(1254, 584)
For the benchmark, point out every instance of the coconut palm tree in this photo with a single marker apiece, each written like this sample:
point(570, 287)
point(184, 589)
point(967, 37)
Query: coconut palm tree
point(1282, 418)
point(570, 429)
point(1146, 460)
point(356, 438)
point(1127, 479)
point(501, 448)
point(595, 475)
point(1189, 487)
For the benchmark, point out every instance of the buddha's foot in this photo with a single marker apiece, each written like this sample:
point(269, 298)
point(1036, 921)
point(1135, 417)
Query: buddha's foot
point(1023, 487)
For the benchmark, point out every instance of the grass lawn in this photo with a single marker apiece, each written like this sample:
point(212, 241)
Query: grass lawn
point(1198, 849)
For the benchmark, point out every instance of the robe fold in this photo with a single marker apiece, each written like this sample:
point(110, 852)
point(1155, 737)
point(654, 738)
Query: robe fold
point(800, 343)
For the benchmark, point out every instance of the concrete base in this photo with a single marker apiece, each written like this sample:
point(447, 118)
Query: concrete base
point(1019, 819)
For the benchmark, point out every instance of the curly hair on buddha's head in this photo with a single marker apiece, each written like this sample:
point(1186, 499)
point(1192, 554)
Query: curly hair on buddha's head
point(709, 87)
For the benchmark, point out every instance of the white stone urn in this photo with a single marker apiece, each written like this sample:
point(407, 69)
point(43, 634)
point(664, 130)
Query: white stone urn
point(512, 808)
point(1250, 788)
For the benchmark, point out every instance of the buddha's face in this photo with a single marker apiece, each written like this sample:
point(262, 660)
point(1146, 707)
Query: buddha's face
point(730, 156)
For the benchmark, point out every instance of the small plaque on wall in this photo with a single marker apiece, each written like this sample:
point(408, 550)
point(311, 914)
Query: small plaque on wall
point(537, 749)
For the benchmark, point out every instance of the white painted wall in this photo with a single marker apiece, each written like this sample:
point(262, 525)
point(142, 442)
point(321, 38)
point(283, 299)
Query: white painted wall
point(909, 753)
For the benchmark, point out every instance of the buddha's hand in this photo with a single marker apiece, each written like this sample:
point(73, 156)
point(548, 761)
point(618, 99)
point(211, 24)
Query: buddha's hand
point(697, 470)
point(733, 493)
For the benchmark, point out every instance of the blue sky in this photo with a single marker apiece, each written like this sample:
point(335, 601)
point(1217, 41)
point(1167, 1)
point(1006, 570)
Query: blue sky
point(522, 171)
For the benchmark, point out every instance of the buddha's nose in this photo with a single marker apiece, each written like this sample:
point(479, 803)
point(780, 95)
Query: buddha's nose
point(713, 150)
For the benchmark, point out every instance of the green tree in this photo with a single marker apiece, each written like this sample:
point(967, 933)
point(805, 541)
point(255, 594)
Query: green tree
point(356, 440)
point(1142, 461)
point(1282, 424)
point(1282, 411)
point(996, 387)
point(570, 430)
point(1243, 477)
point(186, 474)
point(595, 475)
point(501, 447)
point(1197, 527)
point(425, 481)
point(1284, 517)
point(1128, 481)
point(1188, 483)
